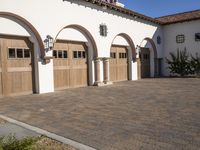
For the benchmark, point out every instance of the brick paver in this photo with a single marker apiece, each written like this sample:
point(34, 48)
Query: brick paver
point(150, 114)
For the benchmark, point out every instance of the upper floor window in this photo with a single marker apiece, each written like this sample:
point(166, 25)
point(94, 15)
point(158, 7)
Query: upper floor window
point(103, 30)
point(180, 38)
point(197, 36)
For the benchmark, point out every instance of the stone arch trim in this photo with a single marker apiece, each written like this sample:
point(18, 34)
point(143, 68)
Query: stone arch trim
point(85, 32)
point(132, 55)
point(93, 46)
point(22, 20)
point(130, 42)
point(153, 46)
point(150, 40)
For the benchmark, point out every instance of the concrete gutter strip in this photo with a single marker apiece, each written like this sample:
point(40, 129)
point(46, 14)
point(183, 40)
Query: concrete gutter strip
point(48, 134)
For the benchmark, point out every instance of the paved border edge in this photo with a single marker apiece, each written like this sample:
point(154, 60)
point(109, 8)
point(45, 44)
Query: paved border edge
point(48, 134)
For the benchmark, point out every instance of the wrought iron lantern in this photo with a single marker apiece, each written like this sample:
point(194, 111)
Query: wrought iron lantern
point(48, 43)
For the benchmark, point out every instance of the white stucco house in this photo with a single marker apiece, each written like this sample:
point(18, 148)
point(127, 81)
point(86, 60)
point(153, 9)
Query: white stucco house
point(58, 44)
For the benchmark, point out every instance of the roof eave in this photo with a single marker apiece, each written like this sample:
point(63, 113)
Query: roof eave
point(125, 11)
point(180, 21)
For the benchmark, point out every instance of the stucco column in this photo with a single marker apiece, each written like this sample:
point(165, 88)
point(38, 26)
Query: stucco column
point(138, 68)
point(97, 71)
point(106, 71)
point(130, 59)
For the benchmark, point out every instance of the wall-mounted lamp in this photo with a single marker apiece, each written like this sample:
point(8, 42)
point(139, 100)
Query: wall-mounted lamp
point(48, 43)
point(138, 49)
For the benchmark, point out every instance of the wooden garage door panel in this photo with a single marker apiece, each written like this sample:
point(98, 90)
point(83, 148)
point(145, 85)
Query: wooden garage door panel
point(76, 46)
point(61, 78)
point(113, 65)
point(1, 84)
point(14, 63)
point(145, 63)
point(60, 62)
point(70, 72)
point(16, 72)
point(122, 73)
point(1, 90)
point(118, 67)
point(113, 72)
point(78, 77)
point(17, 83)
point(78, 72)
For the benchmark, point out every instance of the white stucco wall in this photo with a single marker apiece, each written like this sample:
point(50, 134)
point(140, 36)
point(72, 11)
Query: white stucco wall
point(50, 16)
point(53, 15)
point(120, 41)
point(10, 27)
point(171, 31)
point(72, 35)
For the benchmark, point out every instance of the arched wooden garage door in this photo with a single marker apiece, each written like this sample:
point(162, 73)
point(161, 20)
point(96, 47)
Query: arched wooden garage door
point(145, 62)
point(16, 59)
point(70, 64)
point(118, 63)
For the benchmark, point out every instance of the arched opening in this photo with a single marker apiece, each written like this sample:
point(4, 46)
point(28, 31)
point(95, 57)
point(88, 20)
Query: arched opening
point(75, 67)
point(122, 53)
point(28, 27)
point(19, 53)
point(148, 57)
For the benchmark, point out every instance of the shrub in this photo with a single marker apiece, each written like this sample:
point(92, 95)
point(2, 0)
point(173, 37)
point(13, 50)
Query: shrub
point(195, 65)
point(179, 63)
point(11, 143)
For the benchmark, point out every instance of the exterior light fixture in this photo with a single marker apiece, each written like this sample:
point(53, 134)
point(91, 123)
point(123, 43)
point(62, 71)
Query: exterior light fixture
point(48, 43)
point(138, 49)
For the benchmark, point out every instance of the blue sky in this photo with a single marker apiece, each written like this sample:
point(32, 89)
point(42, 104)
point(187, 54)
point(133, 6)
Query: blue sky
point(156, 8)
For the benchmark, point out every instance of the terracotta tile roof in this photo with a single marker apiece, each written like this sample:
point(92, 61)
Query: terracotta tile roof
point(180, 17)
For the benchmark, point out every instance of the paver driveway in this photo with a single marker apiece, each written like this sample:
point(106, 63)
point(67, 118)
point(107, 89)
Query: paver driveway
point(151, 114)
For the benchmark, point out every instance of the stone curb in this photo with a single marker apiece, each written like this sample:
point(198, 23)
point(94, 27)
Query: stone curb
point(48, 134)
